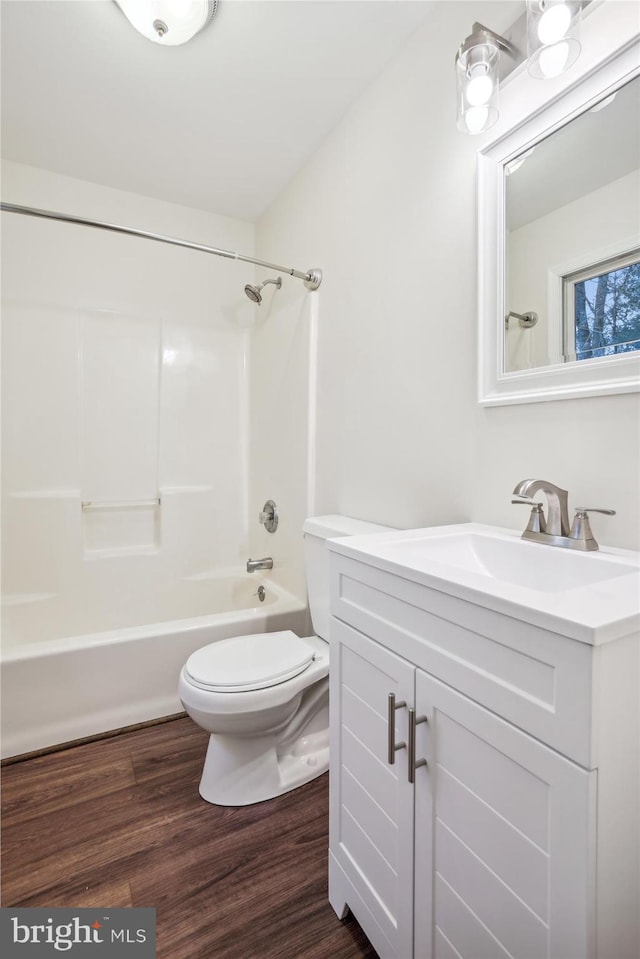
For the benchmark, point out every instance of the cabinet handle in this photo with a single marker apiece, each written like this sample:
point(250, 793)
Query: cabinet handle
point(412, 764)
point(392, 745)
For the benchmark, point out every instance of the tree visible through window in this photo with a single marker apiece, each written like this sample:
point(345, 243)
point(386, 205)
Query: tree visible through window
point(603, 309)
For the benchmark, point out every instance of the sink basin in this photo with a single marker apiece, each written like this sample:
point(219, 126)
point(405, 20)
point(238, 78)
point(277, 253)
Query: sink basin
point(590, 596)
point(533, 565)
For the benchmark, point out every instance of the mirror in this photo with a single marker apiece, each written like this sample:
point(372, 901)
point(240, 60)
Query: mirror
point(560, 246)
point(572, 251)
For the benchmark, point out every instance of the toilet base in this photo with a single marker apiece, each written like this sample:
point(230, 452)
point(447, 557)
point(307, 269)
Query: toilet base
point(239, 772)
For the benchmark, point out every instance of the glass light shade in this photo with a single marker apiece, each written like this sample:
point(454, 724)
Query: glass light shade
point(477, 84)
point(553, 36)
point(168, 22)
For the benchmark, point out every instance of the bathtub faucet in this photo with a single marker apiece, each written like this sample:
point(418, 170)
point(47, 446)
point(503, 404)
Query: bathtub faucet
point(254, 564)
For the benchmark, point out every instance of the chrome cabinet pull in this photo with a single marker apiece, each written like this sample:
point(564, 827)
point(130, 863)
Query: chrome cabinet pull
point(392, 745)
point(411, 760)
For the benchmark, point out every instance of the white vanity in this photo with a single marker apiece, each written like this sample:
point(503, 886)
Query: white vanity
point(498, 813)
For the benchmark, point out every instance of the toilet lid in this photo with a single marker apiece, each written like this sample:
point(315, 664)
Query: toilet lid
point(242, 663)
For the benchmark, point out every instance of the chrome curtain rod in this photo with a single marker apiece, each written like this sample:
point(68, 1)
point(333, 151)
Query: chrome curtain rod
point(312, 278)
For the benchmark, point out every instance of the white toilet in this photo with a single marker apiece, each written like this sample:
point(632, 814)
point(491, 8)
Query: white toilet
point(265, 698)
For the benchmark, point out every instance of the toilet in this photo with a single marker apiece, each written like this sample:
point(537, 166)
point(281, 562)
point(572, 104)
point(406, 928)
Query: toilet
point(264, 698)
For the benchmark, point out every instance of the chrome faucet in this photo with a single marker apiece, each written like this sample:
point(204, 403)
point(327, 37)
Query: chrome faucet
point(554, 529)
point(557, 522)
point(254, 564)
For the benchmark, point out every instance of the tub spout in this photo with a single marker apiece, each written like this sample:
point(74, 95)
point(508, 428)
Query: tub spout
point(254, 564)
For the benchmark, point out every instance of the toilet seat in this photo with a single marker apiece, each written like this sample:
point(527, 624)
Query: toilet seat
point(244, 663)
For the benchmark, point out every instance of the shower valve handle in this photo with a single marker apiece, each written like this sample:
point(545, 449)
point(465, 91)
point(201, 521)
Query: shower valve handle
point(269, 516)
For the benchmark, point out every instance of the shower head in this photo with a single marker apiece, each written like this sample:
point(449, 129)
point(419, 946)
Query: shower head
point(254, 292)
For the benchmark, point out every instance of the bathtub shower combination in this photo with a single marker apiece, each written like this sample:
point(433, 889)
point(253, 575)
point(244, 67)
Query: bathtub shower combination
point(125, 496)
point(63, 688)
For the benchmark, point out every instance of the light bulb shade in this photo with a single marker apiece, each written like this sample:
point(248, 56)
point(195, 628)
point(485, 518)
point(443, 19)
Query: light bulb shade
point(168, 22)
point(477, 83)
point(553, 36)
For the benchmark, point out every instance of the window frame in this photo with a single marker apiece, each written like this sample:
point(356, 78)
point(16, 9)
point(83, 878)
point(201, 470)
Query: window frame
point(570, 280)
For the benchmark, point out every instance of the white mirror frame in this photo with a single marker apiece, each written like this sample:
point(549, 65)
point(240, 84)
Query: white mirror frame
point(620, 374)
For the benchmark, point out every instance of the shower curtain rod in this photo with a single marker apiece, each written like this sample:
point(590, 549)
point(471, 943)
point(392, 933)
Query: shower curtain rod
point(312, 278)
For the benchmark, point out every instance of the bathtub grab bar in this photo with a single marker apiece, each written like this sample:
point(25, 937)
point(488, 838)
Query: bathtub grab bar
point(123, 504)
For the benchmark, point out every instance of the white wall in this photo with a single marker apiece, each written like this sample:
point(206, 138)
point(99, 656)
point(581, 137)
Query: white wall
point(125, 377)
point(387, 207)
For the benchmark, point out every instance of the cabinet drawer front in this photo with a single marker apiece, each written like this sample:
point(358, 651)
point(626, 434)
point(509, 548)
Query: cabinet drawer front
point(504, 828)
point(371, 813)
point(536, 679)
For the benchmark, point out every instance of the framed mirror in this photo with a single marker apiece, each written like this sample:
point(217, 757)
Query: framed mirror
point(559, 245)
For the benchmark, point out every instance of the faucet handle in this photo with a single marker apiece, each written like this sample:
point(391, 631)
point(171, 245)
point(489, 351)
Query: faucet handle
point(581, 527)
point(268, 516)
point(537, 522)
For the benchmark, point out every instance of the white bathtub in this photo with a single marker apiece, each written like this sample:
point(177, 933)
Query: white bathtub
point(57, 687)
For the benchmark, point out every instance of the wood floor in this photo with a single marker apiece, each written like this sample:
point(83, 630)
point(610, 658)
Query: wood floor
point(119, 822)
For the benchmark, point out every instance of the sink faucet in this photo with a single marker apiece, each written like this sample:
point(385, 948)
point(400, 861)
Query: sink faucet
point(558, 500)
point(254, 564)
point(555, 529)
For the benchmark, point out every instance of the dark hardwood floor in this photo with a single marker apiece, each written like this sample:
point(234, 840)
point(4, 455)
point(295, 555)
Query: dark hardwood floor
point(119, 822)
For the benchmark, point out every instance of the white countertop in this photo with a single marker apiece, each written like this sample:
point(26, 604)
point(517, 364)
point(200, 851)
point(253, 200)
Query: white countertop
point(593, 597)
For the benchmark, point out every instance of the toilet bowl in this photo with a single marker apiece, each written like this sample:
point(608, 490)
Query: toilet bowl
point(264, 698)
point(265, 701)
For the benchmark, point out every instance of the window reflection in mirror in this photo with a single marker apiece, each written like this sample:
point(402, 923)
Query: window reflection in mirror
point(602, 309)
point(572, 210)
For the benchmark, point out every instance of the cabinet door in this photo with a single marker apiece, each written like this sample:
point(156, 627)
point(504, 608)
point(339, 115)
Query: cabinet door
point(504, 830)
point(371, 805)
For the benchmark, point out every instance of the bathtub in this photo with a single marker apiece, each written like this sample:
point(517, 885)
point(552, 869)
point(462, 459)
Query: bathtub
point(59, 684)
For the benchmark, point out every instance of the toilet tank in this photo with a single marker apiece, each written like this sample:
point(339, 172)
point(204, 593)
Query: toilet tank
point(317, 530)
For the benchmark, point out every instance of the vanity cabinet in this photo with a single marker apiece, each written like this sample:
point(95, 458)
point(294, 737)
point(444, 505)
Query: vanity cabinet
point(516, 836)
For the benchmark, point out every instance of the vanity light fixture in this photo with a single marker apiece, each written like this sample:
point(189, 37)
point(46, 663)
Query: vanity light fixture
point(553, 36)
point(477, 63)
point(514, 165)
point(547, 35)
point(168, 22)
point(603, 103)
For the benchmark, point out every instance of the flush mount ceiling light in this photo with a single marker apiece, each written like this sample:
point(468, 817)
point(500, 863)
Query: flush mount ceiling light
point(477, 63)
point(553, 36)
point(168, 22)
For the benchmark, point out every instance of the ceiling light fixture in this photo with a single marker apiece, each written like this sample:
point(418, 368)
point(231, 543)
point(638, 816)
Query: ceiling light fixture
point(168, 22)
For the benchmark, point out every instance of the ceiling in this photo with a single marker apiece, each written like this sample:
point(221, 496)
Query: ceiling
point(221, 123)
